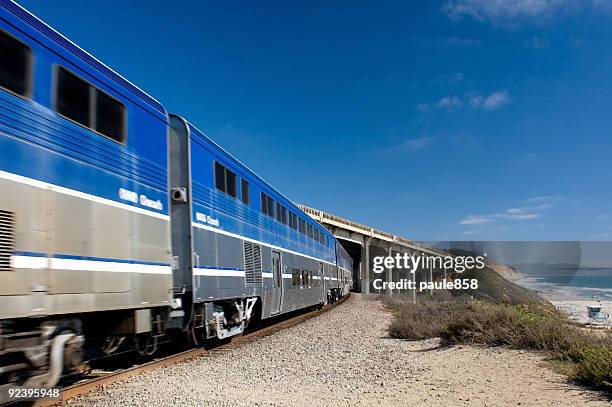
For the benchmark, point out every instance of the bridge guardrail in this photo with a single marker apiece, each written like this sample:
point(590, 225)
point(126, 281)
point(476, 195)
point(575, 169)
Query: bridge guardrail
point(366, 230)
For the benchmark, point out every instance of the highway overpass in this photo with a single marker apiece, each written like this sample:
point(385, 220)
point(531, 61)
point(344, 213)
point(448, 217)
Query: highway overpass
point(364, 242)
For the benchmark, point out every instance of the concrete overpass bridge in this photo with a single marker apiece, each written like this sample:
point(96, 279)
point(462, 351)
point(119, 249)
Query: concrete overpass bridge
point(363, 243)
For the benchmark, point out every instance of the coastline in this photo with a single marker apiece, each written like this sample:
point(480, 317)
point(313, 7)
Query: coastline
point(572, 301)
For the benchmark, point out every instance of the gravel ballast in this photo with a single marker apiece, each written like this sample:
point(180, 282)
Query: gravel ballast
point(344, 358)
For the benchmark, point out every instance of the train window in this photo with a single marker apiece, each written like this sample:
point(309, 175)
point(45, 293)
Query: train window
point(264, 203)
point(281, 213)
point(302, 226)
point(73, 97)
point(295, 277)
point(267, 205)
point(225, 180)
point(309, 230)
point(219, 177)
point(285, 220)
point(304, 277)
point(309, 277)
point(78, 100)
point(271, 207)
point(231, 183)
point(14, 65)
point(110, 117)
point(244, 188)
point(293, 220)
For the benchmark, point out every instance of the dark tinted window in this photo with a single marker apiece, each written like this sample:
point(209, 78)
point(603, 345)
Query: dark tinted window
point(270, 207)
point(284, 215)
point(302, 226)
point(14, 65)
point(72, 99)
point(309, 230)
point(293, 220)
point(110, 117)
point(279, 212)
point(225, 180)
point(77, 99)
point(220, 177)
point(244, 187)
point(267, 205)
point(230, 179)
point(264, 203)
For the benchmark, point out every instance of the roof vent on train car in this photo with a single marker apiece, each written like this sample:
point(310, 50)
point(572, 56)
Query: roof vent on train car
point(7, 239)
point(252, 262)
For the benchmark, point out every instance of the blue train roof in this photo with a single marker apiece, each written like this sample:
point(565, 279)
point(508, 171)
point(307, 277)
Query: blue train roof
point(77, 51)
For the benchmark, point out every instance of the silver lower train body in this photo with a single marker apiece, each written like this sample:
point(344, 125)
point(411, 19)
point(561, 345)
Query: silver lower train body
point(78, 269)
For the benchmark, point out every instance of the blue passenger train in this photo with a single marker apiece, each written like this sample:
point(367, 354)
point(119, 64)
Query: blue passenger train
point(121, 223)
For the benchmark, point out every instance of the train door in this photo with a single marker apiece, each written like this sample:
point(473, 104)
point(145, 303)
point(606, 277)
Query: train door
point(277, 276)
point(179, 175)
point(321, 283)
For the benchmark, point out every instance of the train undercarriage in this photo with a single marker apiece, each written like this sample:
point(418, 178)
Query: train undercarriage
point(37, 352)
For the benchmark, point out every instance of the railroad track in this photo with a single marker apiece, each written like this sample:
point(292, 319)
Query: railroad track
point(87, 386)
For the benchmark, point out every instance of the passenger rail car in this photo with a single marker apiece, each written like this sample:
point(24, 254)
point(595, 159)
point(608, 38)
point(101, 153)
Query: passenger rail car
point(120, 223)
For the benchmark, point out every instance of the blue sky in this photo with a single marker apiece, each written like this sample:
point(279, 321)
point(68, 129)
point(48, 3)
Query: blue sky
point(459, 119)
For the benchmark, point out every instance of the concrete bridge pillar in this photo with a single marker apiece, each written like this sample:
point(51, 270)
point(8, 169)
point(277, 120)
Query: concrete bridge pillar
point(390, 271)
point(365, 266)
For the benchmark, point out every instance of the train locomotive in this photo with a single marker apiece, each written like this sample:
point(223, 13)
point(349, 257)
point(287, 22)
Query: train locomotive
point(121, 223)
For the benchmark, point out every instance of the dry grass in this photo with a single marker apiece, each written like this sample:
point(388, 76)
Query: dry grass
point(536, 325)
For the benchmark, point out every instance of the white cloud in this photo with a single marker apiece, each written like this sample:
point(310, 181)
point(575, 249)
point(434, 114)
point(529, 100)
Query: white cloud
point(471, 232)
point(507, 11)
point(519, 213)
point(513, 12)
point(420, 143)
point(601, 236)
point(476, 220)
point(545, 198)
point(524, 213)
point(449, 102)
point(494, 101)
point(491, 102)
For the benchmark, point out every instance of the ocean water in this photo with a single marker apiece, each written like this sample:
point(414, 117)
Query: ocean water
point(591, 281)
point(581, 284)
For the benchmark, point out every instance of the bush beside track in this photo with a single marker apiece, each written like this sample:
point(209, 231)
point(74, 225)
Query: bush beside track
point(585, 357)
point(501, 313)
